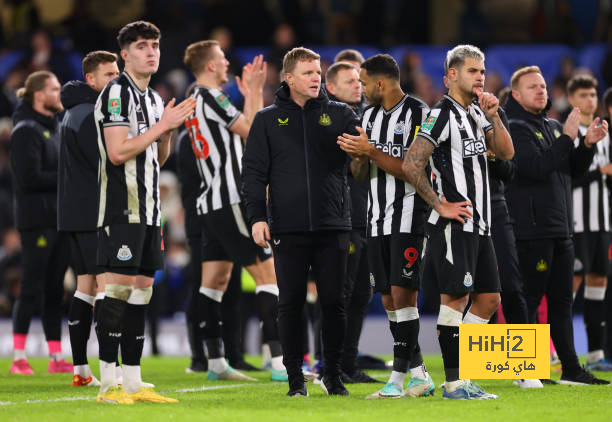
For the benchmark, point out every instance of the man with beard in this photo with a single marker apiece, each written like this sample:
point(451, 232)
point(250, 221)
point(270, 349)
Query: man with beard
point(460, 255)
point(34, 150)
point(77, 208)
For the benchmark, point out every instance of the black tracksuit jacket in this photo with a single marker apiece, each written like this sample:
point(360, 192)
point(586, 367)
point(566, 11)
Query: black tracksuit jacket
point(294, 151)
point(540, 196)
point(77, 194)
point(34, 154)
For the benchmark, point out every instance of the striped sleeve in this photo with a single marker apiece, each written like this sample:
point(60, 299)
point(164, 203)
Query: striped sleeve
point(481, 118)
point(435, 128)
point(219, 107)
point(115, 105)
point(417, 118)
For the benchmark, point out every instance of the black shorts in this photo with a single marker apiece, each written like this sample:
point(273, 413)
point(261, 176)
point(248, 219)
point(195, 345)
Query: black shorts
point(130, 249)
point(226, 237)
point(84, 250)
point(395, 260)
point(592, 253)
point(460, 262)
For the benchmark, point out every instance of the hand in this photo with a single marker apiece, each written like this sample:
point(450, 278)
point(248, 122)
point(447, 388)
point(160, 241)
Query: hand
point(607, 169)
point(173, 116)
point(261, 233)
point(570, 128)
point(488, 104)
point(355, 146)
point(455, 210)
point(596, 133)
point(491, 155)
point(253, 76)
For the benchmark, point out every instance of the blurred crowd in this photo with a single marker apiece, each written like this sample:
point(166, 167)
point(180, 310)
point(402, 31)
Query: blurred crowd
point(55, 34)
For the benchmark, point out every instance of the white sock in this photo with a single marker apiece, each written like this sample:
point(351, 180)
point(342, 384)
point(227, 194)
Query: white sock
point(397, 378)
point(277, 363)
point(451, 386)
point(574, 295)
point(107, 376)
point(217, 365)
point(118, 373)
point(470, 318)
point(132, 381)
point(419, 372)
point(266, 355)
point(216, 295)
point(19, 354)
point(82, 370)
point(595, 356)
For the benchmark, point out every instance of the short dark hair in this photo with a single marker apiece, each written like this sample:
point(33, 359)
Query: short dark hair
point(581, 82)
point(197, 55)
point(332, 71)
point(349, 55)
point(382, 65)
point(135, 30)
point(93, 59)
point(607, 98)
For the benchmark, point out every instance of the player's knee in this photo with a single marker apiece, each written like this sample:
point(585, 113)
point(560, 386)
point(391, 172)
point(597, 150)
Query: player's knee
point(141, 296)
point(119, 291)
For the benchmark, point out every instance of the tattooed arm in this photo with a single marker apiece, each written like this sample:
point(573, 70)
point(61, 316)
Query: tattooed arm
point(415, 171)
point(359, 168)
point(498, 139)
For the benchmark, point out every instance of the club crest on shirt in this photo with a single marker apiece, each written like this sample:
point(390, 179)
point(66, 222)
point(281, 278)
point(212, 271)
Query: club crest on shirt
point(124, 253)
point(283, 122)
point(399, 127)
point(325, 120)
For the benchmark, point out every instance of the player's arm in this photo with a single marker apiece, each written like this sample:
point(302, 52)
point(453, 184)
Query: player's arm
point(498, 139)
point(359, 168)
point(414, 170)
point(250, 85)
point(359, 145)
point(163, 148)
point(121, 149)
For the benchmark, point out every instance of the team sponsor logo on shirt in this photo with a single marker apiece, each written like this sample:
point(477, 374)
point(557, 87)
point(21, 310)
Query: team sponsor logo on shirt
point(283, 122)
point(473, 147)
point(399, 127)
point(124, 253)
point(468, 280)
point(429, 123)
point(394, 150)
point(325, 120)
point(114, 105)
point(222, 100)
point(46, 134)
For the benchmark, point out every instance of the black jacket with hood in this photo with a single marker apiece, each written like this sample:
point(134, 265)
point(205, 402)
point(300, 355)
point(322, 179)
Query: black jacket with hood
point(540, 196)
point(77, 194)
point(294, 151)
point(34, 153)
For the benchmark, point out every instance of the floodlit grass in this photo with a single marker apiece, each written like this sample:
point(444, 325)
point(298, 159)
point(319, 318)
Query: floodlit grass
point(46, 397)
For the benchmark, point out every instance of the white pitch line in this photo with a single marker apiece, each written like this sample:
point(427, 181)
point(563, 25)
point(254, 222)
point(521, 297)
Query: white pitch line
point(83, 398)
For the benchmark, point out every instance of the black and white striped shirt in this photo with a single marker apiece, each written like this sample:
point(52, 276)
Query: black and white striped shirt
point(129, 193)
point(459, 161)
point(218, 150)
point(393, 206)
point(591, 193)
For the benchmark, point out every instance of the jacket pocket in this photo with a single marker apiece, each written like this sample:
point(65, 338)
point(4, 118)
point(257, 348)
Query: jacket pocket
point(532, 213)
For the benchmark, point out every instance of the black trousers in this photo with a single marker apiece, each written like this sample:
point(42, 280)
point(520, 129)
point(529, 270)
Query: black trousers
point(326, 252)
point(548, 268)
point(512, 296)
point(46, 254)
point(357, 295)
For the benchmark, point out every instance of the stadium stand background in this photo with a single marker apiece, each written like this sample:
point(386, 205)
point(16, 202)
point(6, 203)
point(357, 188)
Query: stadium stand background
point(563, 37)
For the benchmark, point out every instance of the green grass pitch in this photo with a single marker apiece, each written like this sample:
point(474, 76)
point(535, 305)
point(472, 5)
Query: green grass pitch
point(45, 397)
